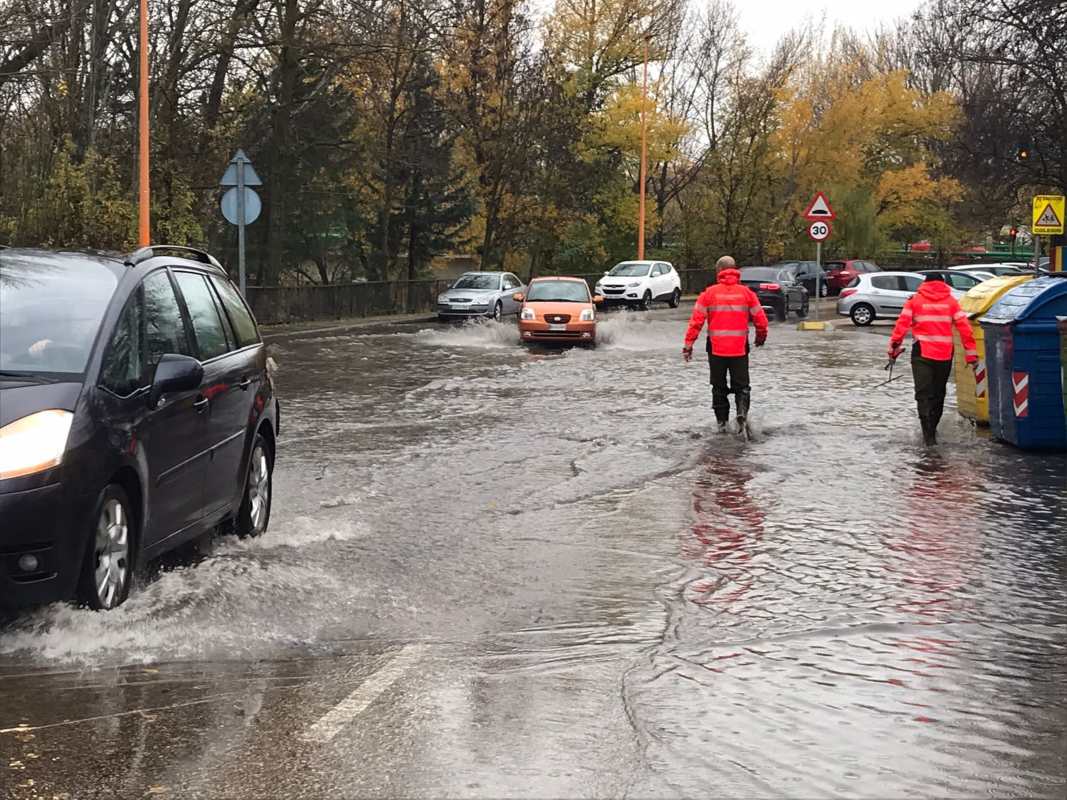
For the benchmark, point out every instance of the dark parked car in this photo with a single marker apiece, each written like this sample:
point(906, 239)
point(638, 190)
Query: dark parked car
point(137, 412)
point(807, 273)
point(840, 274)
point(777, 289)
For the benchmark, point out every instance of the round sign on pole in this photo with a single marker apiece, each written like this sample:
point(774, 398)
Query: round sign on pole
point(253, 206)
point(820, 230)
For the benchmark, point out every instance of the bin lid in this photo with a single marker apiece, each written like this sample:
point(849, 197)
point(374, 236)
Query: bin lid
point(1040, 299)
point(979, 299)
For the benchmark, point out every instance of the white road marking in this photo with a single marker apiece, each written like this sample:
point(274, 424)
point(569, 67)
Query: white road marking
point(359, 700)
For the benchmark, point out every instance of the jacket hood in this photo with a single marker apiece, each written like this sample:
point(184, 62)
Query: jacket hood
point(935, 290)
point(730, 276)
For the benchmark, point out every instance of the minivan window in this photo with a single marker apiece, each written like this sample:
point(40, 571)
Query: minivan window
point(52, 310)
point(207, 325)
point(123, 366)
point(243, 325)
point(164, 332)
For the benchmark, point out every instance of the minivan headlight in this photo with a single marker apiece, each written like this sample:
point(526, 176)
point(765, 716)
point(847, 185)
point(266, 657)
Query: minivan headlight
point(34, 443)
point(528, 314)
point(587, 315)
point(633, 285)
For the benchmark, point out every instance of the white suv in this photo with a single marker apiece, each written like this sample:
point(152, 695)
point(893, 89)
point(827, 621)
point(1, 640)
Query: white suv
point(640, 283)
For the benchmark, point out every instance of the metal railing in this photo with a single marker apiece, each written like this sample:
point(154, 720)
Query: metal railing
point(274, 305)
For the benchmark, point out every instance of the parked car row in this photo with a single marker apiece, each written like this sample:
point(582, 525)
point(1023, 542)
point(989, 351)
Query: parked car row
point(883, 294)
point(137, 412)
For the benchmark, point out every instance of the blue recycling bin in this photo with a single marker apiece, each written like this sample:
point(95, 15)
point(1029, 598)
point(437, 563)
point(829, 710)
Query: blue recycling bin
point(1026, 405)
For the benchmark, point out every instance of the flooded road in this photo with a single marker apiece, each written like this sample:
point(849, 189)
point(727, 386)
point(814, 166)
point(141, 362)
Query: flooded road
point(500, 573)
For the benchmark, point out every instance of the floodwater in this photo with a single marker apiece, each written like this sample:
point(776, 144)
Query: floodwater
point(541, 574)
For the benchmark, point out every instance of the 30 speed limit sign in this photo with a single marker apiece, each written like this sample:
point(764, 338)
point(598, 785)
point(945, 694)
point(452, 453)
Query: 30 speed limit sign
point(819, 231)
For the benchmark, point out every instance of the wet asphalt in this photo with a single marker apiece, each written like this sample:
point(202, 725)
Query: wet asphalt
point(494, 572)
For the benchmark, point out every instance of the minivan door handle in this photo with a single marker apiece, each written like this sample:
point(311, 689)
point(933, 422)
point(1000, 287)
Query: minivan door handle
point(201, 404)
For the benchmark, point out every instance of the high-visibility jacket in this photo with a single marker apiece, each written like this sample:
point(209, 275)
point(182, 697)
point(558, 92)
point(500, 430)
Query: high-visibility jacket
point(930, 315)
point(727, 307)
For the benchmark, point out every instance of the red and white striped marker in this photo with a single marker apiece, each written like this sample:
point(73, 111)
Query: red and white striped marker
point(980, 381)
point(1021, 382)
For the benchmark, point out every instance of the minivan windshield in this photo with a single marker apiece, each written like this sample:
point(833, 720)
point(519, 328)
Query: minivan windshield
point(630, 269)
point(558, 291)
point(50, 311)
point(478, 282)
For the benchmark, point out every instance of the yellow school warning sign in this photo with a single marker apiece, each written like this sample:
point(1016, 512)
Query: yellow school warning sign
point(1048, 215)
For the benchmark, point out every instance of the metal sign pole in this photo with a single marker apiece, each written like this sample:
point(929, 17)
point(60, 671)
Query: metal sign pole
point(241, 223)
point(818, 276)
point(1037, 253)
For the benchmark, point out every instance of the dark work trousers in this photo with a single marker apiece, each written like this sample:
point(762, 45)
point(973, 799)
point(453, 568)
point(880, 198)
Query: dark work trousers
point(736, 369)
point(931, 377)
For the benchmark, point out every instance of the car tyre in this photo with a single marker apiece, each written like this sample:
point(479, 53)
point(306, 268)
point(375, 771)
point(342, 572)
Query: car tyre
point(676, 299)
point(862, 315)
point(107, 570)
point(802, 312)
point(781, 311)
point(498, 311)
point(253, 516)
point(646, 301)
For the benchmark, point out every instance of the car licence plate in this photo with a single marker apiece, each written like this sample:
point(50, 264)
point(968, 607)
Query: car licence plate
point(556, 328)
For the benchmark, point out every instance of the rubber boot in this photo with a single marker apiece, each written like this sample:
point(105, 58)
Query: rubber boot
point(929, 431)
point(743, 400)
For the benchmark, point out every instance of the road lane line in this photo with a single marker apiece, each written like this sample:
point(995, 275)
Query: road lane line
point(358, 701)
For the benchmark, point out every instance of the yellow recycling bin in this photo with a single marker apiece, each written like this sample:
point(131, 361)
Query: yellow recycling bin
point(972, 386)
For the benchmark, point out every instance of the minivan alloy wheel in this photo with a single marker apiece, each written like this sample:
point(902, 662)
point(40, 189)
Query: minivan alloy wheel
point(112, 552)
point(254, 513)
point(259, 489)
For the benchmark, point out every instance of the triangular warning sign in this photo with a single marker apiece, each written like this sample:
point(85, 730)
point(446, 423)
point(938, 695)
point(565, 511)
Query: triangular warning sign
point(1048, 218)
point(819, 208)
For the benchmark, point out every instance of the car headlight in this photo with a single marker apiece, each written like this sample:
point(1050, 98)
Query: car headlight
point(587, 315)
point(34, 443)
point(528, 314)
point(633, 285)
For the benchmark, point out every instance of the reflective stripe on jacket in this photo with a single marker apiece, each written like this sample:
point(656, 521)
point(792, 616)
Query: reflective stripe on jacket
point(930, 315)
point(727, 307)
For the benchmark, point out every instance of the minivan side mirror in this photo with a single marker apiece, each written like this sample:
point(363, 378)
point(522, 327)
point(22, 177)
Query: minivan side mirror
point(175, 373)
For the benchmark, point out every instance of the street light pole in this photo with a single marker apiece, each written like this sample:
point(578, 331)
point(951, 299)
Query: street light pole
point(644, 160)
point(144, 235)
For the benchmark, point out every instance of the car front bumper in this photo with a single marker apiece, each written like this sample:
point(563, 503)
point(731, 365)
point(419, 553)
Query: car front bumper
point(625, 297)
point(577, 332)
point(464, 311)
point(47, 525)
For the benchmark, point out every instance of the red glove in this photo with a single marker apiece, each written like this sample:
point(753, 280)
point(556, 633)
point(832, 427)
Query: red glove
point(972, 361)
point(761, 338)
point(896, 349)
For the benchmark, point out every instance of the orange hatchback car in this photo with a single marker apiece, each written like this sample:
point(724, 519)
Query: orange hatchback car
point(558, 310)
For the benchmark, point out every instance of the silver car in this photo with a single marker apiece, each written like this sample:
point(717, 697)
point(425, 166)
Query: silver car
point(480, 294)
point(881, 295)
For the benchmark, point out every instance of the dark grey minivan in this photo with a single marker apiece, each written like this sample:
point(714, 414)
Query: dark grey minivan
point(137, 411)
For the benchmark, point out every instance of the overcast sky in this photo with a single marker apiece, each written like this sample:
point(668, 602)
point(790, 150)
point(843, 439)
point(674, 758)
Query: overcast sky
point(766, 20)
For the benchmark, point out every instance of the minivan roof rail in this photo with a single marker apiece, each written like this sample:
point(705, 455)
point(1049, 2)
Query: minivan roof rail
point(154, 250)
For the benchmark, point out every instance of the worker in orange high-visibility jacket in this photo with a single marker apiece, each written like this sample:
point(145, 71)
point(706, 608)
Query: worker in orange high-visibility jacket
point(930, 315)
point(727, 307)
